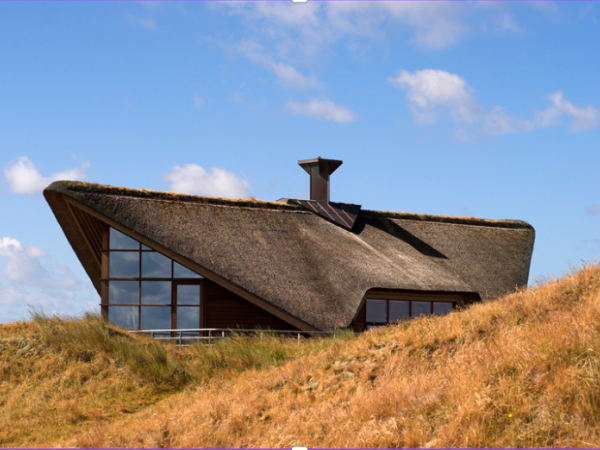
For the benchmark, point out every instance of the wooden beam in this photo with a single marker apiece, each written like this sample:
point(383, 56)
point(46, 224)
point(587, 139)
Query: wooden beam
point(85, 236)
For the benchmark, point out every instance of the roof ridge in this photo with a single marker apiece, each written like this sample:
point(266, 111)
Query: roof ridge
point(497, 223)
point(94, 188)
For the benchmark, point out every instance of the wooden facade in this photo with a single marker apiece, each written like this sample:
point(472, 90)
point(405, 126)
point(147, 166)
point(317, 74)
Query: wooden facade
point(224, 309)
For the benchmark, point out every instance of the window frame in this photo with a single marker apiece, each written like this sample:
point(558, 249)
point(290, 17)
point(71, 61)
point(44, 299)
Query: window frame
point(455, 299)
point(106, 278)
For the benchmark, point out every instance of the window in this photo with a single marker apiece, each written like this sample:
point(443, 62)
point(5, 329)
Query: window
point(147, 290)
point(383, 311)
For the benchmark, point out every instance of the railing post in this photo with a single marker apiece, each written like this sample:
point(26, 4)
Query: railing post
point(180, 343)
point(298, 338)
point(209, 336)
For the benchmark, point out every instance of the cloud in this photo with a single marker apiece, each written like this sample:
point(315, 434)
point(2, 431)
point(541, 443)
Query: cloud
point(323, 109)
point(593, 210)
point(429, 89)
point(497, 122)
point(29, 276)
point(24, 178)
point(307, 29)
point(431, 92)
point(582, 119)
point(287, 75)
point(193, 179)
point(435, 25)
point(33, 266)
point(290, 77)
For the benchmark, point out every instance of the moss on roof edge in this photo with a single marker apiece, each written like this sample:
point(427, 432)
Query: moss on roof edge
point(93, 188)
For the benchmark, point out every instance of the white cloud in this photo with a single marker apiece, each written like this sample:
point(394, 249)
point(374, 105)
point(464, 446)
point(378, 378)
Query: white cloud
point(31, 277)
point(323, 109)
point(308, 28)
point(581, 118)
point(24, 178)
point(435, 25)
point(290, 77)
point(497, 122)
point(593, 210)
point(33, 266)
point(431, 91)
point(287, 75)
point(193, 179)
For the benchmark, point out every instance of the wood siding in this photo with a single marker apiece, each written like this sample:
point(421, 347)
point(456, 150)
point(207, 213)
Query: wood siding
point(91, 229)
point(224, 309)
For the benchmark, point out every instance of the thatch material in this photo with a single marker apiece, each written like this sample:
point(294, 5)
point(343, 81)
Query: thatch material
point(308, 267)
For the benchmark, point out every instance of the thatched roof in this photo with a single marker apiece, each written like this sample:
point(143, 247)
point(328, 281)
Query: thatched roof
point(305, 266)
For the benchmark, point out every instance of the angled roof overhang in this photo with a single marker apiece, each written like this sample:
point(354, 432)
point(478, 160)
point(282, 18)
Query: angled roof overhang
point(83, 228)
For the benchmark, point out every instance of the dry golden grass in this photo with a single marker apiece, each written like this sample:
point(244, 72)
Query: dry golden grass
point(59, 377)
point(522, 371)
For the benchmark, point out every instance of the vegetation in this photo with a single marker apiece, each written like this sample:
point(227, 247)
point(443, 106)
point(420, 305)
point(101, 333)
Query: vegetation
point(59, 376)
point(521, 371)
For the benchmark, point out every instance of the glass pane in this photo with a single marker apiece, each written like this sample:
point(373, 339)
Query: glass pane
point(188, 317)
point(421, 309)
point(156, 292)
point(145, 247)
point(441, 308)
point(399, 310)
point(124, 264)
point(377, 311)
point(124, 316)
point(156, 318)
point(188, 294)
point(183, 272)
point(123, 292)
point(155, 265)
point(119, 241)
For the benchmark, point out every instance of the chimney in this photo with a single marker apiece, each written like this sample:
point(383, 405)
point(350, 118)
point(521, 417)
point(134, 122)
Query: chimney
point(319, 170)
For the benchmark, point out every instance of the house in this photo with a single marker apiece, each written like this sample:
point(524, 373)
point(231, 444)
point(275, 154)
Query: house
point(166, 261)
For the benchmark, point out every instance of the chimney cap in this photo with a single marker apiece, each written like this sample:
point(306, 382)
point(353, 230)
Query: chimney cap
point(323, 163)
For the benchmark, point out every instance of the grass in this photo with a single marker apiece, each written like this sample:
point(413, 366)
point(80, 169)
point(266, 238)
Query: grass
point(59, 376)
point(521, 371)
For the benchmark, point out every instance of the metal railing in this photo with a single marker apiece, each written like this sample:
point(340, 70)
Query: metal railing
point(186, 337)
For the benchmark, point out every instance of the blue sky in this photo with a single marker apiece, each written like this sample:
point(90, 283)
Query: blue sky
point(483, 109)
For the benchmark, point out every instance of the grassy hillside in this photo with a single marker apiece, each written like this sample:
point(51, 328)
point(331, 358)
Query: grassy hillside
point(520, 371)
point(62, 377)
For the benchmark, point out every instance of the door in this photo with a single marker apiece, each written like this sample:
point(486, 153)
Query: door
point(187, 305)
